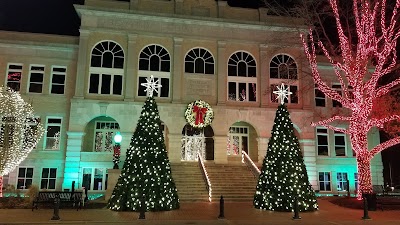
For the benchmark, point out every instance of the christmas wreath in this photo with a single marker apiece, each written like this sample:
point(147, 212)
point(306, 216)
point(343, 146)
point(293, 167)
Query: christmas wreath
point(199, 114)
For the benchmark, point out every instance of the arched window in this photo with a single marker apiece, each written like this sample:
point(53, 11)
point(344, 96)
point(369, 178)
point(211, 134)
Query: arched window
point(154, 60)
point(106, 69)
point(199, 60)
point(242, 80)
point(283, 69)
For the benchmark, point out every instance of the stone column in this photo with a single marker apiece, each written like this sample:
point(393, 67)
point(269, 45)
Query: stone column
point(310, 159)
point(222, 73)
point(113, 175)
point(179, 7)
point(174, 153)
point(132, 61)
point(262, 148)
point(221, 8)
point(263, 75)
point(177, 71)
point(220, 155)
point(82, 64)
point(72, 170)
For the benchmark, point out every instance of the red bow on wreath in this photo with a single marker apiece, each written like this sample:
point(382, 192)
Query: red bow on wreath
point(200, 113)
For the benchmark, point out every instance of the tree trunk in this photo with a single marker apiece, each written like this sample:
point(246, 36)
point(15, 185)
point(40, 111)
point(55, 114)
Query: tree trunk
point(364, 176)
point(1, 186)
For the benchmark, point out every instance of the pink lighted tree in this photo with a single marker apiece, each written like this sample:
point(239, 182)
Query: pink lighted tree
point(367, 53)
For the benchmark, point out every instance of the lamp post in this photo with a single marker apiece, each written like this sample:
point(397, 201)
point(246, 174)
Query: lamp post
point(117, 149)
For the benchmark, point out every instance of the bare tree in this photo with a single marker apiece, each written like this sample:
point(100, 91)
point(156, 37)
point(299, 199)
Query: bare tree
point(369, 42)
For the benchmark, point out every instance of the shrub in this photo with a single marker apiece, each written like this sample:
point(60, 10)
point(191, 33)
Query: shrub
point(32, 193)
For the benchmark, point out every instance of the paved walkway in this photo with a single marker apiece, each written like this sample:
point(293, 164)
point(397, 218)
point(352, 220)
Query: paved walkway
point(203, 214)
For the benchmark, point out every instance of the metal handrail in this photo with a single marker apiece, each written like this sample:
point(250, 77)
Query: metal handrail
point(253, 167)
point(205, 176)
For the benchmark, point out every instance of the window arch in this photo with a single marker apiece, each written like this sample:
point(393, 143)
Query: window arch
point(199, 60)
point(106, 69)
point(242, 80)
point(154, 60)
point(283, 69)
point(107, 54)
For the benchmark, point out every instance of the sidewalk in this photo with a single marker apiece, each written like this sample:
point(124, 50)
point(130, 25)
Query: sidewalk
point(203, 214)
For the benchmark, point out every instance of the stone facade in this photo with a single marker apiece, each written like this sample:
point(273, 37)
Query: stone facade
point(177, 27)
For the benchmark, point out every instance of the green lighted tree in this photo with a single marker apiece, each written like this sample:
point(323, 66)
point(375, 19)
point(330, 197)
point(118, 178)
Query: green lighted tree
point(146, 171)
point(283, 176)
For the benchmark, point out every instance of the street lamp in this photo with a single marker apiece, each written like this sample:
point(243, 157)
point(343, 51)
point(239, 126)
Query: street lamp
point(117, 149)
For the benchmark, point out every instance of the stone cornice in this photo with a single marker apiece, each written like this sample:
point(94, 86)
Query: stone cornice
point(189, 20)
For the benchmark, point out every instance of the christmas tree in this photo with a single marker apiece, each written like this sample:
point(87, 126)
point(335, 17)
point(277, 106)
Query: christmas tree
point(283, 179)
point(146, 171)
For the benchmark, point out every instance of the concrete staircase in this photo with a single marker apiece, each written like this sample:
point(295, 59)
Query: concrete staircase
point(189, 182)
point(234, 181)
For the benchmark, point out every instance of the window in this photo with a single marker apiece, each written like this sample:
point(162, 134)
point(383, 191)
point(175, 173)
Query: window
point(30, 131)
point(342, 181)
point(14, 74)
point(242, 80)
point(283, 69)
point(53, 132)
point(7, 130)
point(356, 181)
point(322, 141)
point(25, 177)
point(238, 137)
point(199, 60)
point(338, 88)
point(340, 143)
point(324, 179)
point(320, 99)
point(106, 69)
point(95, 179)
point(49, 177)
point(104, 136)
point(36, 74)
point(58, 74)
point(154, 60)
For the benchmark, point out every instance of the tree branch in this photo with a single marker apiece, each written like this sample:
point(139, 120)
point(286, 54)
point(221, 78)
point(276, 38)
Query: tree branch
point(325, 123)
point(385, 145)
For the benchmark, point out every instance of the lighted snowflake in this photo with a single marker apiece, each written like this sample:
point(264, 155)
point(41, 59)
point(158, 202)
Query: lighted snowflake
point(282, 93)
point(151, 86)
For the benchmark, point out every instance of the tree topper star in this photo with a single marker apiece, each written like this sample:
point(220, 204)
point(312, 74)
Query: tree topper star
point(151, 86)
point(282, 93)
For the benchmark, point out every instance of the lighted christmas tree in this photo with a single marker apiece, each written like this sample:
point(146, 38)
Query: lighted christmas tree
point(146, 171)
point(283, 179)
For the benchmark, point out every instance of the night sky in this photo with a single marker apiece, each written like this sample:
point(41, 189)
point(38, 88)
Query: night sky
point(59, 17)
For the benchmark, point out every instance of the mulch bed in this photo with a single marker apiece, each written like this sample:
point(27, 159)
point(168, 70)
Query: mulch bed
point(23, 203)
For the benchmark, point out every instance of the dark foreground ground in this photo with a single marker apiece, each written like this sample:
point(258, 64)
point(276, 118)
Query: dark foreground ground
point(207, 214)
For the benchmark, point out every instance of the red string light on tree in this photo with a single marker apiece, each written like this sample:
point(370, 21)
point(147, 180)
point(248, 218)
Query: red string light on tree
point(351, 68)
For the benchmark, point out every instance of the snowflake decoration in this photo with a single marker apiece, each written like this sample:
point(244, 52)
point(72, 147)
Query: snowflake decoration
point(282, 93)
point(151, 86)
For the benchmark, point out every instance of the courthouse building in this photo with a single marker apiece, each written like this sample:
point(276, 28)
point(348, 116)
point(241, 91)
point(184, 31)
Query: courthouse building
point(86, 88)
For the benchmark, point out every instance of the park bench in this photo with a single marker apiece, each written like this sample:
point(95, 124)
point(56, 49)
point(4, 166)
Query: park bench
point(70, 198)
point(379, 190)
point(388, 201)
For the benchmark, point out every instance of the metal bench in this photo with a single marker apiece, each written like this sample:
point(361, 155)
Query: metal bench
point(65, 197)
point(387, 201)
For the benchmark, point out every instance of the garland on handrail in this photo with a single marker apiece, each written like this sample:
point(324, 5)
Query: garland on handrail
point(203, 168)
point(252, 164)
